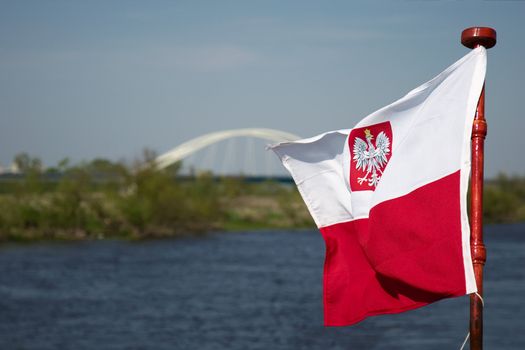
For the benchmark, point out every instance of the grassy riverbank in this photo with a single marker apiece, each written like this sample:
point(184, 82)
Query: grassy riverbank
point(104, 199)
point(504, 199)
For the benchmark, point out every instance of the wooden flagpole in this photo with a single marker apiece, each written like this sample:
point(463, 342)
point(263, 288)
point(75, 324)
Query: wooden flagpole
point(472, 38)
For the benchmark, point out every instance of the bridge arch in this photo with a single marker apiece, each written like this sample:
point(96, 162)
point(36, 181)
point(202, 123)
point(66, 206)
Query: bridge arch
point(187, 148)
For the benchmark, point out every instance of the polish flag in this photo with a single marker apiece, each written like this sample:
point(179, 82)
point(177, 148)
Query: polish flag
point(389, 197)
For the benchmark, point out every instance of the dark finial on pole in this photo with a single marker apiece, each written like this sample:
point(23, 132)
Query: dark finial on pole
point(472, 38)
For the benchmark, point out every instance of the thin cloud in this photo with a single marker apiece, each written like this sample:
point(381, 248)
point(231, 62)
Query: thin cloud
point(213, 58)
point(206, 58)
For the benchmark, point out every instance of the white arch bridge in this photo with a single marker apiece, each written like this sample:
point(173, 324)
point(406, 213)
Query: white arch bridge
point(229, 152)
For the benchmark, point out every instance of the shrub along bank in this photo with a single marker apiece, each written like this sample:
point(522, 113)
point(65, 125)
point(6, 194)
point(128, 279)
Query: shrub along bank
point(105, 199)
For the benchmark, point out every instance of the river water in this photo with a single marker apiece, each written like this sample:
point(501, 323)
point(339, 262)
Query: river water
point(257, 290)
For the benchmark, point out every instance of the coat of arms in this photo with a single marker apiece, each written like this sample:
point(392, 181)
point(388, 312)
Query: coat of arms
point(370, 155)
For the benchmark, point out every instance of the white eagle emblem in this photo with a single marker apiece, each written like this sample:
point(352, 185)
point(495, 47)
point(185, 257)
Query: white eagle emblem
point(371, 158)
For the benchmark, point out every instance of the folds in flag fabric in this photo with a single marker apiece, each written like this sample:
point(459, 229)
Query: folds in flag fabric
point(389, 197)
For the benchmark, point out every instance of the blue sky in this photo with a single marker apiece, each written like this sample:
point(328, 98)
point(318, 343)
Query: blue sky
point(85, 79)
